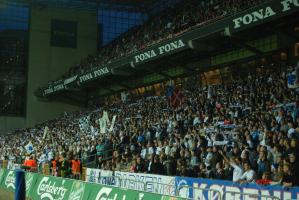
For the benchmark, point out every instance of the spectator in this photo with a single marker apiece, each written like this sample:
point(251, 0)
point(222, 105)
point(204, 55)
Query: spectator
point(236, 164)
point(30, 164)
point(288, 179)
point(249, 175)
point(266, 179)
point(76, 168)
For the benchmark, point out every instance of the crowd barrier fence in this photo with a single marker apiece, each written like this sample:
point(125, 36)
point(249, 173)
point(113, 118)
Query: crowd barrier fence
point(190, 190)
point(39, 186)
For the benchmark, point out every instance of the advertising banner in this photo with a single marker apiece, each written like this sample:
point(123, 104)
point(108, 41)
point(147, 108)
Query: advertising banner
point(104, 177)
point(146, 182)
point(30, 179)
point(77, 191)
point(51, 188)
point(100, 192)
point(204, 189)
point(2, 175)
point(8, 181)
point(143, 187)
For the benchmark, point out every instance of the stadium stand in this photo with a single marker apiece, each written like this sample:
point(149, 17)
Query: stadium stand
point(175, 21)
point(243, 131)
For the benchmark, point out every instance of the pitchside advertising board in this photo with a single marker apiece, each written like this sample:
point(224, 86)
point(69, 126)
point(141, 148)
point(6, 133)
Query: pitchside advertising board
point(39, 187)
point(146, 182)
point(99, 176)
point(7, 180)
point(163, 185)
point(205, 189)
point(192, 188)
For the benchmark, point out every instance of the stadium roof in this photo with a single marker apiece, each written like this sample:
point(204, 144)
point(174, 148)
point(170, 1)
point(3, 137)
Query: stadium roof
point(85, 4)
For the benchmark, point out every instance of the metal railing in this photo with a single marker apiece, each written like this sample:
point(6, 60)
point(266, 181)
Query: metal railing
point(91, 160)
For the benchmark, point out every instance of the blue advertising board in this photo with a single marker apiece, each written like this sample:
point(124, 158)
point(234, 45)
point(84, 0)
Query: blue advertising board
point(206, 189)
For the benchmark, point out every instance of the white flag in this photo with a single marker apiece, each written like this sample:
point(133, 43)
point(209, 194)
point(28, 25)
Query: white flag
point(102, 125)
point(29, 148)
point(46, 130)
point(112, 123)
point(106, 118)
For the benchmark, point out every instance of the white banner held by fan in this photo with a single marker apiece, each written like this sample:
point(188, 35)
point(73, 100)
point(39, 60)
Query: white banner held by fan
point(112, 123)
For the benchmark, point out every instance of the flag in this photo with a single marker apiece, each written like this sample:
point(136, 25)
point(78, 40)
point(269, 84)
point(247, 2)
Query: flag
point(124, 96)
point(29, 148)
point(84, 124)
point(102, 125)
point(46, 130)
point(169, 91)
point(210, 92)
point(291, 80)
point(176, 98)
point(105, 115)
point(112, 123)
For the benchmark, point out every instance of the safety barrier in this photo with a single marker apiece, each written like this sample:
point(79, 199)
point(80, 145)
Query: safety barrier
point(39, 186)
point(194, 187)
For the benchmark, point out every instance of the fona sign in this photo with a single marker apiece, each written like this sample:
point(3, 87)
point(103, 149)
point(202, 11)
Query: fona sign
point(177, 44)
point(264, 13)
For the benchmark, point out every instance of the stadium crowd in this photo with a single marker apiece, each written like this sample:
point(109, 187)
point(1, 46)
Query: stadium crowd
point(180, 18)
point(245, 130)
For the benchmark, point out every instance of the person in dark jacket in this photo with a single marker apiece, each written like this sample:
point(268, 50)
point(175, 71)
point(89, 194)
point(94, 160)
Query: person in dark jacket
point(140, 166)
point(155, 167)
point(65, 167)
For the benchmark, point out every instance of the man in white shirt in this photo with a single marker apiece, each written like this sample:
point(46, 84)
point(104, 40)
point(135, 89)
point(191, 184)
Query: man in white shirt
point(249, 176)
point(238, 171)
point(236, 164)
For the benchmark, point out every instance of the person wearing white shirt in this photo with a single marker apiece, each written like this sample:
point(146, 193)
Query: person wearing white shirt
point(238, 171)
point(50, 155)
point(249, 176)
point(236, 164)
point(143, 153)
point(150, 149)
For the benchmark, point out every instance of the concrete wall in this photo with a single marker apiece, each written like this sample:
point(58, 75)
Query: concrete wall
point(49, 63)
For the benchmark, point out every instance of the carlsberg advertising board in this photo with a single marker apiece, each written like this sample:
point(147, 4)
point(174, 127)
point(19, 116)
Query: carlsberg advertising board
point(30, 179)
point(100, 192)
point(77, 190)
point(40, 187)
point(9, 180)
point(2, 174)
point(51, 188)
